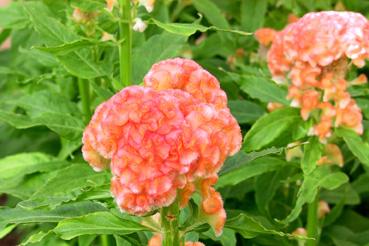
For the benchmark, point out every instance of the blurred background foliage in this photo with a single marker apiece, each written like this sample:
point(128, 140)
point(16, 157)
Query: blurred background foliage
point(51, 197)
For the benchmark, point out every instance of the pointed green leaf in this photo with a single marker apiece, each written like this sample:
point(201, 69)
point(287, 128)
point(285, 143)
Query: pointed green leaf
point(320, 177)
point(312, 153)
point(66, 185)
point(157, 48)
point(21, 216)
point(277, 129)
point(250, 169)
point(263, 89)
point(357, 146)
point(245, 111)
point(97, 223)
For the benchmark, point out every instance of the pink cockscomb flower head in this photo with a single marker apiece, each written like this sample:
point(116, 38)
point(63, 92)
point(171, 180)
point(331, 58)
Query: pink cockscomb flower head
point(314, 52)
point(162, 140)
point(186, 75)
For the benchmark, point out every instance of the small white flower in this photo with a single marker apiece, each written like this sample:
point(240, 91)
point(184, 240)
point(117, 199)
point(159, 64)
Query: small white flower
point(139, 25)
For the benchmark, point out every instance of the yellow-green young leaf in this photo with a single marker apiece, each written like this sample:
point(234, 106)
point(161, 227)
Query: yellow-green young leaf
point(67, 184)
point(6, 231)
point(276, 129)
point(321, 177)
point(97, 223)
point(357, 146)
point(20, 215)
point(263, 89)
point(250, 169)
point(245, 111)
point(312, 153)
point(157, 48)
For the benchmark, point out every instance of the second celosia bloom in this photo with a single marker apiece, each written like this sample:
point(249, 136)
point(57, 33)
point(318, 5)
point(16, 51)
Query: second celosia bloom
point(165, 140)
point(314, 52)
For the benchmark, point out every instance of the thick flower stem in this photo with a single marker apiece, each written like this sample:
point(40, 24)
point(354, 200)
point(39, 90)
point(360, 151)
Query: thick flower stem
point(169, 223)
point(312, 222)
point(84, 92)
point(125, 46)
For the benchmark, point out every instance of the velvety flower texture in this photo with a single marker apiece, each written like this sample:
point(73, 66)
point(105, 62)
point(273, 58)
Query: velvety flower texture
point(314, 52)
point(164, 140)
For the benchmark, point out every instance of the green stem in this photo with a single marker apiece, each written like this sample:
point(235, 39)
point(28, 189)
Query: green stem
point(170, 225)
point(125, 46)
point(84, 92)
point(104, 240)
point(312, 222)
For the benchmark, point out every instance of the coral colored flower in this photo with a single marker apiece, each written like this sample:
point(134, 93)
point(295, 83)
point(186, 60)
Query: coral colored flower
point(272, 106)
point(332, 155)
point(265, 36)
point(163, 139)
point(212, 205)
point(323, 209)
point(314, 52)
point(188, 76)
point(110, 4)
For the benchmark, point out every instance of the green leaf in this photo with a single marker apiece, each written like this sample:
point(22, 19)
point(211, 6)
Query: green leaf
point(361, 184)
point(245, 111)
point(13, 16)
point(277, 129)
point(157, 48)
point(211, 12)
point(188, 29)
point(22, 164)
point(5, 231)
point(79, 63)
point(320, 177)
point(66, 185)
point(250, 169)
point(21, 216)
point(184, 29)
point(263, 89)
point(14, 168)
point(72, 46)
point(97, 223)
point(35, 238)
point(251, 226)
point(252, 14)
point(46, 108)
point(357, 146)
point(266, 186)
point(312, 153)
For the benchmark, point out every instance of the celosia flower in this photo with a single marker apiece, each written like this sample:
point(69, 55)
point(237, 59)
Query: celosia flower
point(188, 76)
point(265, 36)
point(323, 209)
point(313, 52)
point(110, 4)
point(332, 155)
point(165, 139)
